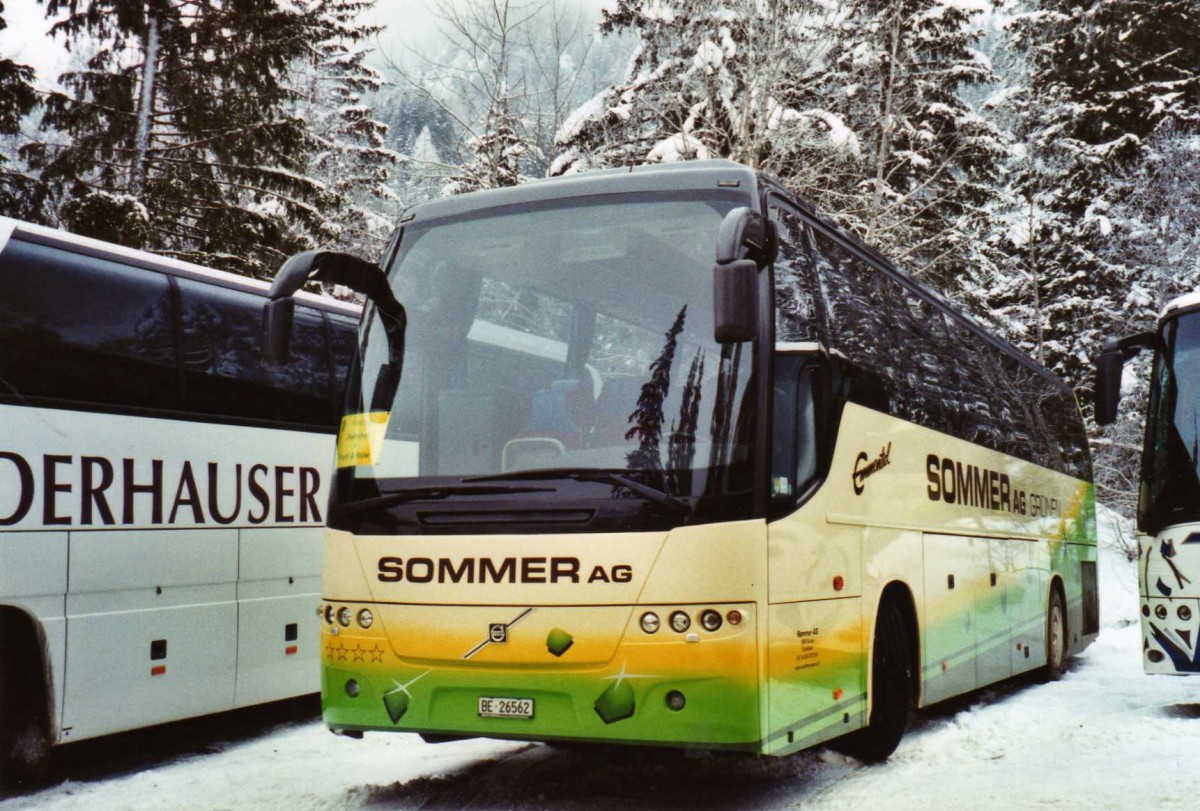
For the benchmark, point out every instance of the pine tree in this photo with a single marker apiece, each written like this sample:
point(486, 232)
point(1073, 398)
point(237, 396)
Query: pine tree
point(1103, 78)
point(348, 151)
point(899, 76)
point(179, 135)
point(20, 196)
point(647, 419)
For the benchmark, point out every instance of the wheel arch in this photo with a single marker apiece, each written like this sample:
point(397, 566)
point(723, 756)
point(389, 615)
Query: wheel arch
point(27, 661)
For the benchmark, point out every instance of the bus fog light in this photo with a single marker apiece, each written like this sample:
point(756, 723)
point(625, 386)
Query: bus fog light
point(1155, 656)
point(352, 688)
point(1184, 613)
point(365, 618)
point(675, 700)
point(711, 620)
point(734, 617)
point(1160, 611)
point(680, 622)
point(343, 616)
point(650, 622)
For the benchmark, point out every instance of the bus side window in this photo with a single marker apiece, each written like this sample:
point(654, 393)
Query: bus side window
point(224, 370)
point(796, 445)
point(83, 329)
point(796, 309)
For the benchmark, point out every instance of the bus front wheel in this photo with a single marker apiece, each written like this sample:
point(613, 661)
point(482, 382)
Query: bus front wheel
point(893, 674)
point(1056, 638)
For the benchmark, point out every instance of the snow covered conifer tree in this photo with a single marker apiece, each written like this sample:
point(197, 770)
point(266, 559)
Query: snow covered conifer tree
point(348, 153)
point(732, 78)
point(898, 77)
point(1103, 78)
point(180, 139)
point(19, 195)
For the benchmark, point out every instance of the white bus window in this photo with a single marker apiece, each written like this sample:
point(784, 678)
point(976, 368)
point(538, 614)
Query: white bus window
point(76, 328)
point(223, 362)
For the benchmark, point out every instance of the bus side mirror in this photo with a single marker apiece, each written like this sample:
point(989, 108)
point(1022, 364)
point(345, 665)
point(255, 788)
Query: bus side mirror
point(1108, 372)
point(277, 329)
point(345, 269)
point(735, 302)
point(1109, 366)
point(745, 234)
point(745, 243)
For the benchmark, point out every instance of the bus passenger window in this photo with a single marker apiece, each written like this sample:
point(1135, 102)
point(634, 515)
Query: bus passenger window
point(794, 447)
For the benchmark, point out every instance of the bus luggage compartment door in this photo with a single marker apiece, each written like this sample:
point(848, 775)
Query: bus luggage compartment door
point(278, 588)
point(151, 624)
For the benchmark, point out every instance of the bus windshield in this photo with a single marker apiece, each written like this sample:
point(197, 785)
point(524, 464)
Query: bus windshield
point(567, 343)
point(1171, 468)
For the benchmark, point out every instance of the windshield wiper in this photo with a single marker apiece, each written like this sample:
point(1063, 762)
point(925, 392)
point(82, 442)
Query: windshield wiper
point(652, 494)
point(390, 498)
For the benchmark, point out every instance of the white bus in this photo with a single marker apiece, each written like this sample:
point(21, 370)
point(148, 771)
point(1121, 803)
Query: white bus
point(1169, 495)
point(162, 491)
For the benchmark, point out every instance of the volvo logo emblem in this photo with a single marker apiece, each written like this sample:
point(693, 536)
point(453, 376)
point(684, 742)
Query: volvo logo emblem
point(498, 632)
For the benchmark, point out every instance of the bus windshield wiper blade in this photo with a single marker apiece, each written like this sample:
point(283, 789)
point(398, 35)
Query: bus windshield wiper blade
point(390, 498)
point(644, 490)
point(647, 492)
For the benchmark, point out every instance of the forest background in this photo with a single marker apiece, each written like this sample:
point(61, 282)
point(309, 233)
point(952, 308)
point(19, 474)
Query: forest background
point(1038, 161)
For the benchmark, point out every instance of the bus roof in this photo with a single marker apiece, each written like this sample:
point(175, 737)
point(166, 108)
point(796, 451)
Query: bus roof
point(1190, 301)
point(54, 238)
point(682, 176)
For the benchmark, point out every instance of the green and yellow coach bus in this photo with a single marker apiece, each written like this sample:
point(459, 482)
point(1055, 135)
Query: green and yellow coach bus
point(593, 485)
point(1168, 518)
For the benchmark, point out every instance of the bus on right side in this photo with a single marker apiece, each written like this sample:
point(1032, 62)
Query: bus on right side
point(1169, 493)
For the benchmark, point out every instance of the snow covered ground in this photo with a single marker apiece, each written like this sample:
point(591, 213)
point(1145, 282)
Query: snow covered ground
point(1105, 736)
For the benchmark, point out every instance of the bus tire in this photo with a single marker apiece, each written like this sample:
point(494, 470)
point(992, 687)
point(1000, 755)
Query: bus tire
point(892, 683)
point(1056, 638)
point(24, 731)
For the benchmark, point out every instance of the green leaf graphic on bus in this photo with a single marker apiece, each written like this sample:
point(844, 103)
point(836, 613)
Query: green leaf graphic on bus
point(616, 703)
point(396, 704)
point(559, 641)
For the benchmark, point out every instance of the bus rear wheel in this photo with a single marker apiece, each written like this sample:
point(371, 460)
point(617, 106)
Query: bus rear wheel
point(892, 680)
point(1056, 638)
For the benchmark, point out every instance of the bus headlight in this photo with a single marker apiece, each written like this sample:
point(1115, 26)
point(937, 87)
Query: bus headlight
point(344, 616)
point(711, 620)
point(329, 614)
point(680, 622)
point(1160, 611)
point(365, 618)
point(650, 623)
point(1184, 613)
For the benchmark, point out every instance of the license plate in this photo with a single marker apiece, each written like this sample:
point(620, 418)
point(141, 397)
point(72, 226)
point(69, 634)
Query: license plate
point(505, 707)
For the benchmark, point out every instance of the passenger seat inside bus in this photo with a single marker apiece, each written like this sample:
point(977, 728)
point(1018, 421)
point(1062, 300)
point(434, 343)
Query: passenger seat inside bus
point(558, 421)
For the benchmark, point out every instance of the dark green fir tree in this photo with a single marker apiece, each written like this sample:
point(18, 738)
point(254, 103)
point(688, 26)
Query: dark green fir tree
point(181, 133)
point(20, 195)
